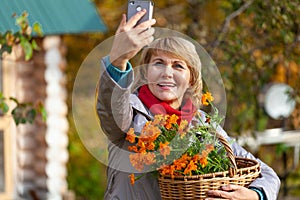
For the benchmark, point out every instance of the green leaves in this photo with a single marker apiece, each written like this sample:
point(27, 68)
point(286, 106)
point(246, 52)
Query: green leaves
point(3, 106)
point(23, 113)
point(23, 36)
point(28, 49)
point(37, 28)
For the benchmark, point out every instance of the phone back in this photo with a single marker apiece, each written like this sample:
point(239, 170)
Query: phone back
point(135, 6)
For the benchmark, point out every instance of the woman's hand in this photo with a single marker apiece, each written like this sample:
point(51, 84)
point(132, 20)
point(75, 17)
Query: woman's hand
point(232, 192)
point(130, 39)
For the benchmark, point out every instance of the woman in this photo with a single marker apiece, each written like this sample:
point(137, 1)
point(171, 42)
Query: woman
point(172, 85)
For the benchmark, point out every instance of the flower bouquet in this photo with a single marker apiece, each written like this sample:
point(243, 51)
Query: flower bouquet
point(189, 159)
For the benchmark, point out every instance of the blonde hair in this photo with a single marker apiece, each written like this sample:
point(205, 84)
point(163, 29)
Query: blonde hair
point(184, 50)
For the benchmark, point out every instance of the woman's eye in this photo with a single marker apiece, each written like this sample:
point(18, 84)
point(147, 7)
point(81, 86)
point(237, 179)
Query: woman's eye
point(159, 64)
point(179, 66)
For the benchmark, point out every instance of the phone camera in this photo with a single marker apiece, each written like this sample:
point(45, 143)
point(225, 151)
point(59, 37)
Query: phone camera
point(138, 8)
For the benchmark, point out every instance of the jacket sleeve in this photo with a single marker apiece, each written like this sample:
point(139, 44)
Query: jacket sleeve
point(113, 106)
point(268, 182)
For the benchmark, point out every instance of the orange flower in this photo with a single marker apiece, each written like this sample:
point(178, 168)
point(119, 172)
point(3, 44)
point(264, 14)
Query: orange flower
point(171, 120)
point(196, 157)
point(156, 136)
point(185, 157)
point(209, 147)
point(159, 120)
point(137, 161)
point(149, 158)
point(150, 146)
point(164, 149)
point(182, 128)
point(133, 148)
point(206, 98)
point(167, 170)
point(142, 146)
point(191, 166)
point(180, 164)
point(150, 133)
point(132, 179)
point(131, 136)
point(203, 161)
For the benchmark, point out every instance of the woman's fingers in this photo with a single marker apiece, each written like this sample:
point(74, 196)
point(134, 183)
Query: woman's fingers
point(146, 24)
point(131, 23)
point(147, 36)
point(129, 40)
point(135, 18)
point(122, 24)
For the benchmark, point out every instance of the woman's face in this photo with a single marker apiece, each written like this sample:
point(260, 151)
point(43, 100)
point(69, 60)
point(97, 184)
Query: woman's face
point(168, 78)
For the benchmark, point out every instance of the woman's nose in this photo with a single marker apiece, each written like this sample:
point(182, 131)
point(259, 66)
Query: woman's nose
point(168, 71)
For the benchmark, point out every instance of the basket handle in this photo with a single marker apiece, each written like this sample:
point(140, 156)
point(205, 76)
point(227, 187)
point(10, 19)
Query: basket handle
point(230, 155)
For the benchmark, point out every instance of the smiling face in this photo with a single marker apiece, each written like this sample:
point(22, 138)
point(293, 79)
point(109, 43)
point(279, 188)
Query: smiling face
point(168, 78)
point(188, 80)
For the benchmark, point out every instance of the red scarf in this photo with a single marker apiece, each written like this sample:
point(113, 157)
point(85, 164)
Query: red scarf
point(157, 106)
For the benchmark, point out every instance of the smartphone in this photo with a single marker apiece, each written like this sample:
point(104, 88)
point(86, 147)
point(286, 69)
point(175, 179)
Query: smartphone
point(135, 6)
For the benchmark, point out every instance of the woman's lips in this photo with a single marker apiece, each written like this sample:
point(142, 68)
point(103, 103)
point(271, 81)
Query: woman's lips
point(166, 86)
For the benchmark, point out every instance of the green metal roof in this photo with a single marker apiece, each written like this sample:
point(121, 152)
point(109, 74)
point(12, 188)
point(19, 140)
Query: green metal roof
point(55, 16)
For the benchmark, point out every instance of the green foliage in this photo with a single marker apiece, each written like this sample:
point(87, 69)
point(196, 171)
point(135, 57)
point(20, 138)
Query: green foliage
point(3, 105)
point(86, 174)
point(23, 112)
point(256, 40)
point(23, 36)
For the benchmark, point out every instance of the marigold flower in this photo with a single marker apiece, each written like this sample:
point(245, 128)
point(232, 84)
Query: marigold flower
point(182, 128)
point(132, 179)
point(196, 157)
point(206, 98)
point(203, 161)
point(180, 164)
point(130, 135)
point(191, 167)
point(209, 147)
point(164, 149)
point(157, 134)
point(171, 120)
point(150, 146)
point(142, 146)
point(159, 120)
point(133, 148)
point(137, 161)
point(149, 158)
point(165, 170)
point(168, 170)
point(150, 133)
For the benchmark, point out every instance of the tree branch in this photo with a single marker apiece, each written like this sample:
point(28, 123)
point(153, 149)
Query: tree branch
point(226, 24)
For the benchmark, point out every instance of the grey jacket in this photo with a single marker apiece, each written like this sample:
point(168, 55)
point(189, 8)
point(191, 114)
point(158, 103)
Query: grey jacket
point(118, 110)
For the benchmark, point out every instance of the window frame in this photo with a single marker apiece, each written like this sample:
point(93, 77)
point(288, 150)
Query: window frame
point(8, 128)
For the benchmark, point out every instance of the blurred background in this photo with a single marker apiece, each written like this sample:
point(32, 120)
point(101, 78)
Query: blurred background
point(256, 47)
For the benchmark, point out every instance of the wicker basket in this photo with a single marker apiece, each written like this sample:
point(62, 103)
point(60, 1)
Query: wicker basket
point(243, 172)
